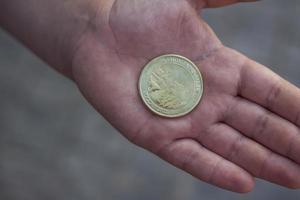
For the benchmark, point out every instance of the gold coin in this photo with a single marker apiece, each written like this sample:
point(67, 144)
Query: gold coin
point(171, 85)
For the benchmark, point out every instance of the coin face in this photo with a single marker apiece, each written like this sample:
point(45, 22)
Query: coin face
point(171, 85)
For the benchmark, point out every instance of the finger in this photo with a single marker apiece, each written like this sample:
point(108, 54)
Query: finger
point(217, 3)
point(253, 157)
point(190, 156)
point(261, 85)
point(265, 127)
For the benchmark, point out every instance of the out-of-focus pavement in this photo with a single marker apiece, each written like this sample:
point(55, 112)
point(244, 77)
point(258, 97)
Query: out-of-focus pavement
point(53, 144)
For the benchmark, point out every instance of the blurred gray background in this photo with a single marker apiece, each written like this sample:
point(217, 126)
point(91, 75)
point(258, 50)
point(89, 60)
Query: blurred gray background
point(53, 144)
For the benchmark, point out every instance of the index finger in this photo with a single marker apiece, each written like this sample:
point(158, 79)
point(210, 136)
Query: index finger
point(263, 86)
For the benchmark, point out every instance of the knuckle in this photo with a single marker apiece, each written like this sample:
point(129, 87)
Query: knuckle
point(188, 161)
point(262, 123)
point(235, 147)
point(214, 170)
point(297, 120)
point(261, 173)
point(273, 94)
point(292, 148)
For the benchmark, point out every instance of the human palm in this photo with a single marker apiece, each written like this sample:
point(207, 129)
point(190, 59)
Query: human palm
point(247, 123)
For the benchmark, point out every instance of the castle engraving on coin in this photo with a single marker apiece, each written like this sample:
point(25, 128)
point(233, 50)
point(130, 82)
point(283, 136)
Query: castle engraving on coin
point(171, 85)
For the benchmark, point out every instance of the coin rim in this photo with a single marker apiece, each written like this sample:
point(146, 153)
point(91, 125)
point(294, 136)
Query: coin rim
point(179, 114)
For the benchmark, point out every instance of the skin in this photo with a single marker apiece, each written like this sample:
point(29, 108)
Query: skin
point(247, 123)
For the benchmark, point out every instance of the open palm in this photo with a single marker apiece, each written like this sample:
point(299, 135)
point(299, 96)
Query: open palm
point(247, 123)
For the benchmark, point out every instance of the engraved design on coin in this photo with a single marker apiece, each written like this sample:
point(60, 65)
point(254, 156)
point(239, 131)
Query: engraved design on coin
point(171, 85)
point(166, 91)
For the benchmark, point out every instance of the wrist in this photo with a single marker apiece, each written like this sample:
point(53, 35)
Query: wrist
point(51, 29)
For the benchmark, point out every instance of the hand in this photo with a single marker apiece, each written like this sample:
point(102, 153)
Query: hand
point(247, 123)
